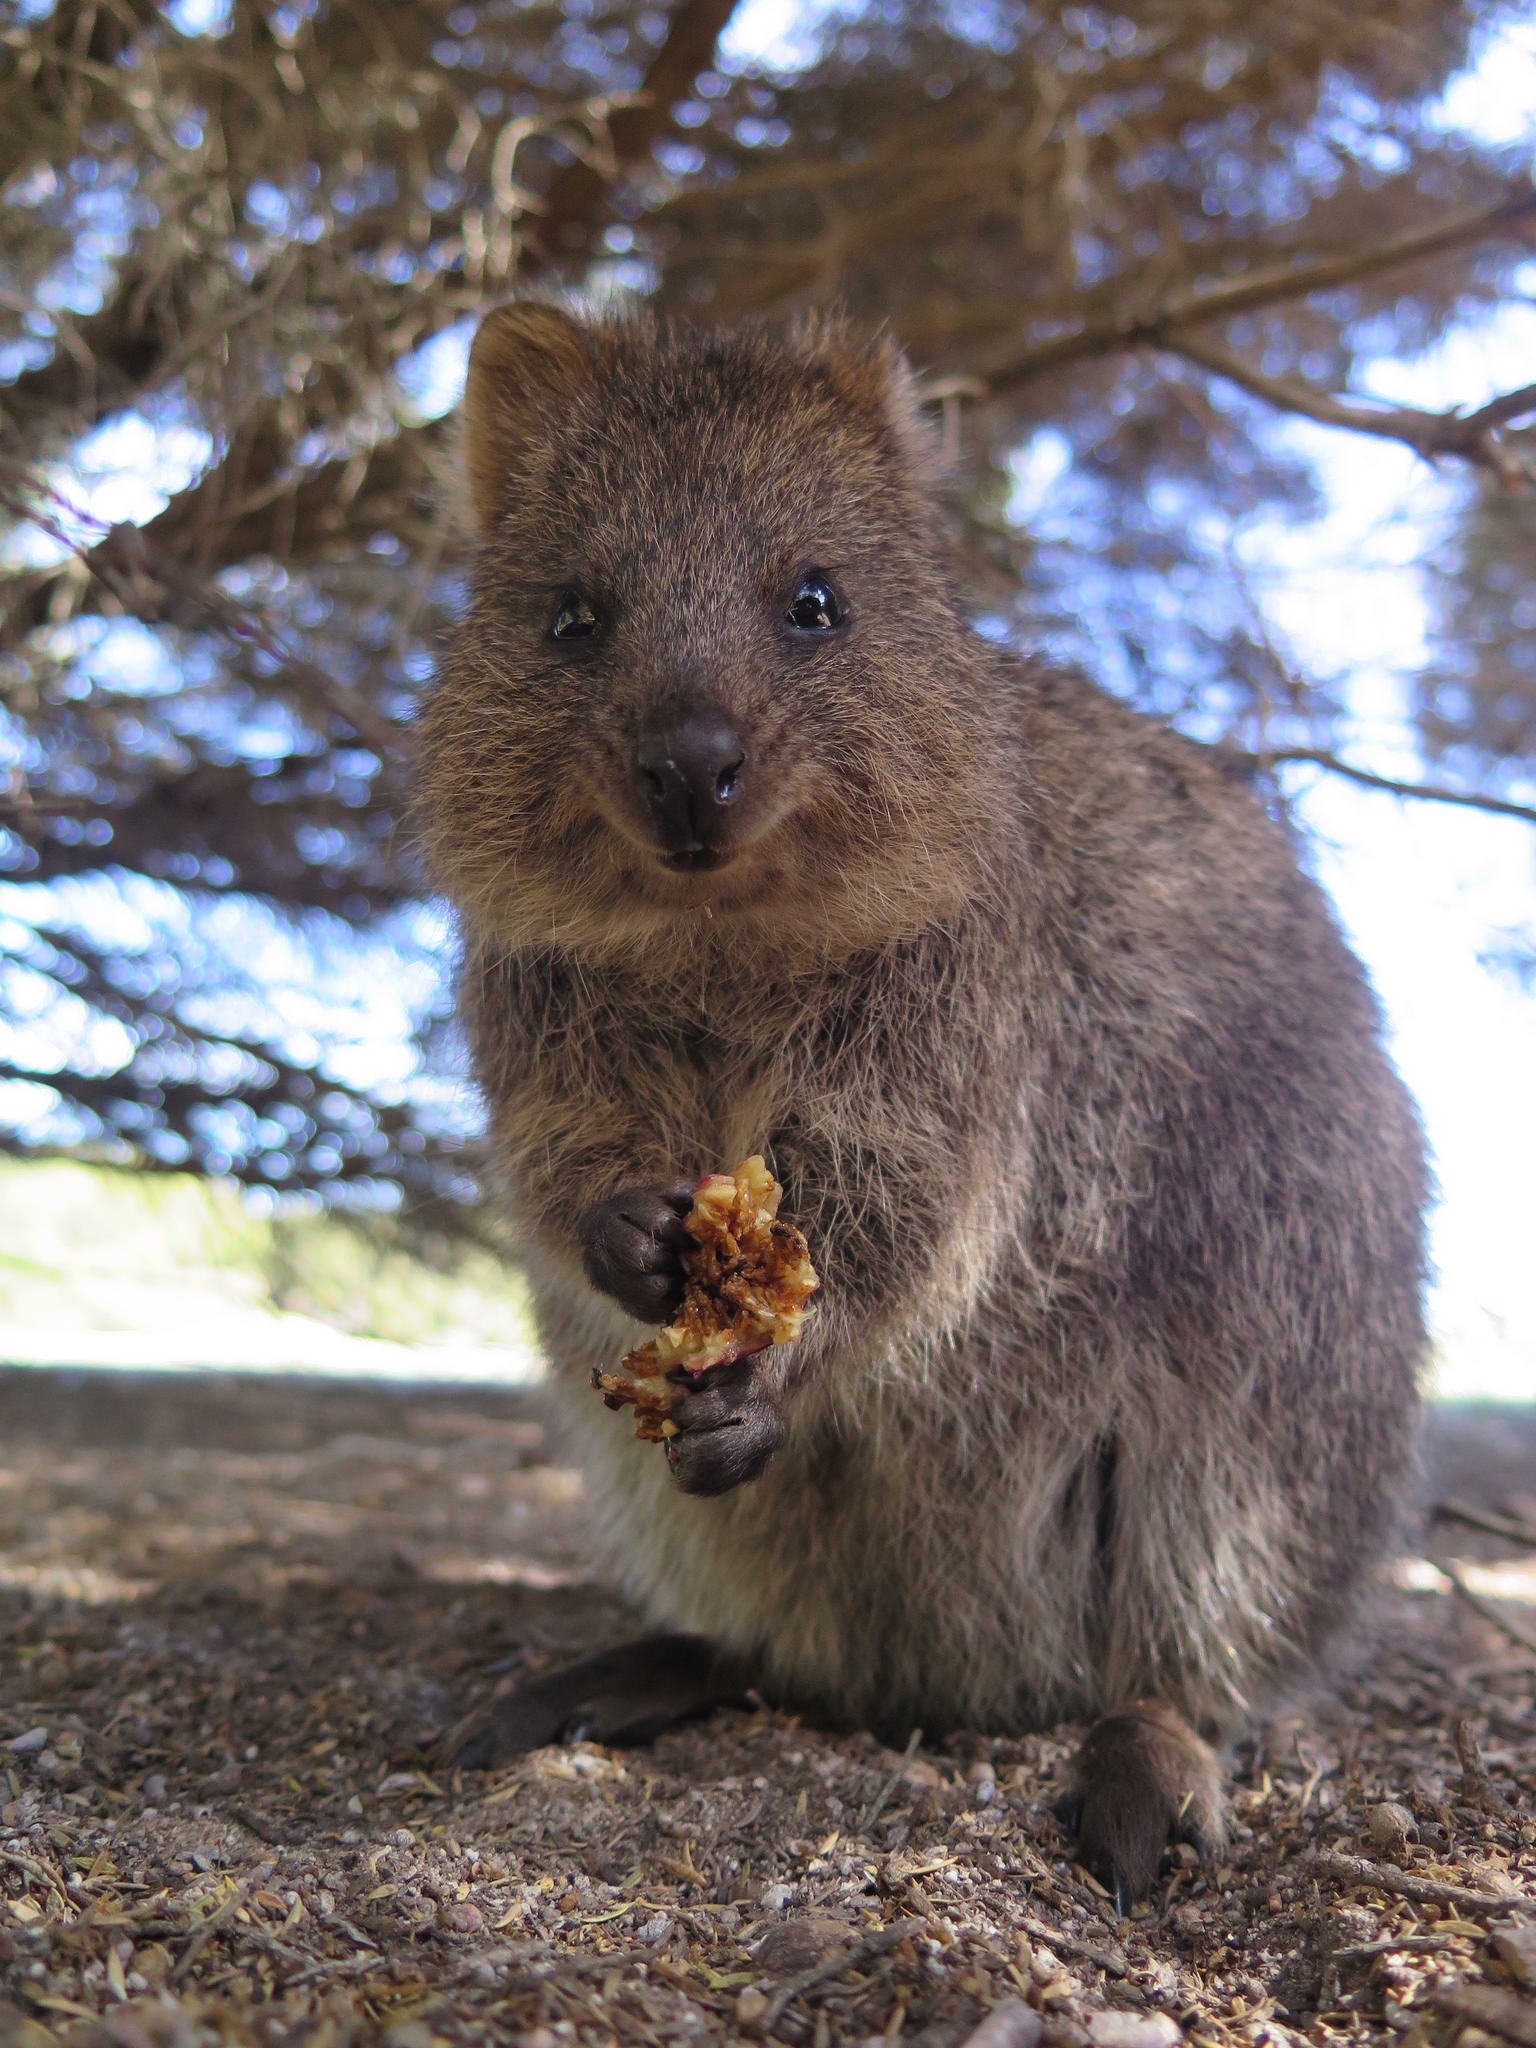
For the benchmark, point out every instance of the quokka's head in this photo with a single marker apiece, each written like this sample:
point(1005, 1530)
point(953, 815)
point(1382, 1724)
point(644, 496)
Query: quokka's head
point(711, 663)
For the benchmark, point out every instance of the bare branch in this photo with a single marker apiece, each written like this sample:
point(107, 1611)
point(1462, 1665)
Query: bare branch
point(1513, 1531)
point(1257, 289)
point(1485, 1609)
point(1474, 436)
point(140, 581)
point(1430, 792)
point(577, 202)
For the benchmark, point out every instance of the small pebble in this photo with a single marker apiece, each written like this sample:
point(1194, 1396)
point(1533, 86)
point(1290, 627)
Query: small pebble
point(774, 1897)
point(28, 1744)
point(657, 1928)
point(1132, 2029)
point(1391, 1827)
point(1062, 2031)
point(153, 1789)
point(983, 1779)
point(751, 2004)
point(464, 1918)
point(1013, 2024)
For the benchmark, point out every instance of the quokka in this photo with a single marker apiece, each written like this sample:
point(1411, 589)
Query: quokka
point(1073, 1086)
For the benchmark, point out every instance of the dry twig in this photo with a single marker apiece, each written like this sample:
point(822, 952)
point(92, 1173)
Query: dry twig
point(205, 1933)
point(1506, 1625)
point(1481, 1518)
point(1386, 1877)
point(37, 1871)
point(1476, 1785)
point(873, 1812)
point(1428, 792)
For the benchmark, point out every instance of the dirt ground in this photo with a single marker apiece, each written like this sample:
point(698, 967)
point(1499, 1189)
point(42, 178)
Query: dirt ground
point(235, 1613)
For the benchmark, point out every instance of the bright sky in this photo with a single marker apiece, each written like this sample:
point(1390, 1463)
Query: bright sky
point(1423, 889)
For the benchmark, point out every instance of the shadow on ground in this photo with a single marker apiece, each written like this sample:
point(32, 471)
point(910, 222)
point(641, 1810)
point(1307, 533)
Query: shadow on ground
point(234, 1614)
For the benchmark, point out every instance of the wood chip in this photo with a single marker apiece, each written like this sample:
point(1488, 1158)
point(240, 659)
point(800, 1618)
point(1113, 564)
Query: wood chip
point(1503, 2012)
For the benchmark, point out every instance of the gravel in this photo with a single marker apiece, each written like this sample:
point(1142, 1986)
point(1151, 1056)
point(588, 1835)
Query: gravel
point(236, 1614)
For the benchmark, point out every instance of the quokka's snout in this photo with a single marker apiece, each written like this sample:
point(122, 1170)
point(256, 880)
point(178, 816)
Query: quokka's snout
point(712, 770)
point(692, 775)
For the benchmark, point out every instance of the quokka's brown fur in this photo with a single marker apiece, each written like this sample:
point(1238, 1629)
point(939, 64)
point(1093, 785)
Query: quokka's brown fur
point(1071, 1081)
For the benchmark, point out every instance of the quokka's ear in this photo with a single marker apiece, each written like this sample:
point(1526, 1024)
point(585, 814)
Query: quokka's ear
point(918, 435)
point(874, 376)
point(525, 361)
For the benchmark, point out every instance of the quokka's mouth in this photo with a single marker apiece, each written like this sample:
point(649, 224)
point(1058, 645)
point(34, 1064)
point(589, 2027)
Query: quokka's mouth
point(697, 860)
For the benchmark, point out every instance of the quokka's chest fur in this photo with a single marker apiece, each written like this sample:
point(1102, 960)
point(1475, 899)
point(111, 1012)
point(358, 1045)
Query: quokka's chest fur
point(887, 1092)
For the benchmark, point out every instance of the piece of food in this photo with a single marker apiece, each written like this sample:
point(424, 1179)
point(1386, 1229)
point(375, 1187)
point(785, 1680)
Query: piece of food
point(747, 1278)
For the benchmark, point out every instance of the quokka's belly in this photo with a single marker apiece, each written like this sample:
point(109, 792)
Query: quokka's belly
point(866, 1575)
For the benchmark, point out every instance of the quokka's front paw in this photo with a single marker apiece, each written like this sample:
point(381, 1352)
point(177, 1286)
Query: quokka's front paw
point(632, 1247)
point(728, 1428)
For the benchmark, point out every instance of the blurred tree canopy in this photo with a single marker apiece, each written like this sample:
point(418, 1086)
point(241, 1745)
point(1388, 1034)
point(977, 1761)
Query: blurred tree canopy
point(243, 245)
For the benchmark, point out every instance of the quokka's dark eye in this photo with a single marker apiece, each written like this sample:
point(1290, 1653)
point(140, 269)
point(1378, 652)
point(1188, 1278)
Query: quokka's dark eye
point(814, 607)
point(574, 618)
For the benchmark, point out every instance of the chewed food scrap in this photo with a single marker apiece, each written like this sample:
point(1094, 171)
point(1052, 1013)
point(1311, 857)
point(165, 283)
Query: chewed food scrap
point(747, 1278)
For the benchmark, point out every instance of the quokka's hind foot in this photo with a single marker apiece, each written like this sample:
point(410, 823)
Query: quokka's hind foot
point(1142, 1779)
point(626, 1695)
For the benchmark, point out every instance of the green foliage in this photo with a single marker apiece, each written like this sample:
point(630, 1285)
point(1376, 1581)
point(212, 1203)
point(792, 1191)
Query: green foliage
point(91, 1247)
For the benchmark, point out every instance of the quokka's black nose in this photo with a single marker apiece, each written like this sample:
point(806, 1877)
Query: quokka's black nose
point(691, 768)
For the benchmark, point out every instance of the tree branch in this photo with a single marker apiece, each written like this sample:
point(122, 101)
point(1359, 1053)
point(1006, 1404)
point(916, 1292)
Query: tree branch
point(1474, 436)
point(1258, 289)
point(577, 202)
point(243, 505)
point(1430, 792)
point(142, 581)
